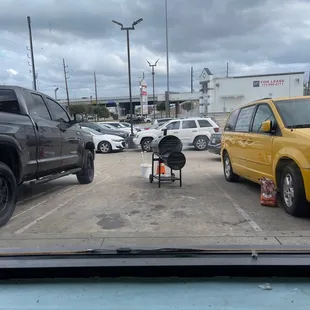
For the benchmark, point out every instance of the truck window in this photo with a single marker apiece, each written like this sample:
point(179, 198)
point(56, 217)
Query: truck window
point(38, 107)
point(8, 101)
point(58, 112)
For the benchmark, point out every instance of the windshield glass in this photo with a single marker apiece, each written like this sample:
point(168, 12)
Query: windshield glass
point(294, 112)
point(186, 66)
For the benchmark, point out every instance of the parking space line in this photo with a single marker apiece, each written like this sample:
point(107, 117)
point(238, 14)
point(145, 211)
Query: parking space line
point(245, 215)
point(23, 229)
point(23, 212)
point(38, 195)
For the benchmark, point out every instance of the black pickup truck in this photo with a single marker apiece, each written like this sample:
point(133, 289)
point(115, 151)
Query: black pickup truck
point(39, 141)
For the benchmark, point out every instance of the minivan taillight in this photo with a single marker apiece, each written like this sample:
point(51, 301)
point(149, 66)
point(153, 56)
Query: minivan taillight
point(217, 129)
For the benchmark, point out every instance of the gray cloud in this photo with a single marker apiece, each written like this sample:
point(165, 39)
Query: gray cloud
point(253, 36)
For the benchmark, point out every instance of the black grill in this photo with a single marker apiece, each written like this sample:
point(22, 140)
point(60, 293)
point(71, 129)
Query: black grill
point(167, 150)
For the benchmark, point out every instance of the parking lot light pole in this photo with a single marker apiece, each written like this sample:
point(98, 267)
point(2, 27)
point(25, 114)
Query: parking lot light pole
point(153, 80)
point(131, 145)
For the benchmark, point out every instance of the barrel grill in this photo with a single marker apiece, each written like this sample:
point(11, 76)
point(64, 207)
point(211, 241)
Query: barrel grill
point(167, 150)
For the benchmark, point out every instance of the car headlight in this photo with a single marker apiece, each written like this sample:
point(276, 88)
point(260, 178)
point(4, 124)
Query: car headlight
point(118, 140)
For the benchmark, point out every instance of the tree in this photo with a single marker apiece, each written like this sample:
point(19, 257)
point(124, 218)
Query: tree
point(101, 111)
point(160, 107)
point(77, 109)
point(187, 106)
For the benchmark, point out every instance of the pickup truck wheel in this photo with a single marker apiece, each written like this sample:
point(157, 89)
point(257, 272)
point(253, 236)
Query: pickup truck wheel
point(8, 196)
point(201, 143)
point(104, 147)
point(86, 175)
point(146, 144)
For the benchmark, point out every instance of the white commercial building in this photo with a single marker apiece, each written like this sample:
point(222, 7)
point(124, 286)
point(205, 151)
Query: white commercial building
point(223, 94)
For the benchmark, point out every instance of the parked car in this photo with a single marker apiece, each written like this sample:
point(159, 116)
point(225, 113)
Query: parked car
point(271, 138)
point(117, 126)
point(39, 142)
point(106, 130)
point(135, 119)
point(161, 120)
point(129, 125)
point(106, 143)
point(214, 145)
point(194, 131)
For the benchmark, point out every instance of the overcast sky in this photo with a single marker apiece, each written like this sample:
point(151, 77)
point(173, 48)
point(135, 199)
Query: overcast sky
point(254, 37)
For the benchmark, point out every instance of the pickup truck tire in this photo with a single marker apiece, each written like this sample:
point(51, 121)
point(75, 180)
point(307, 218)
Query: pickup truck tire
point(86, 175)
point(201, 143)
point(8, 193)
point(146, 144)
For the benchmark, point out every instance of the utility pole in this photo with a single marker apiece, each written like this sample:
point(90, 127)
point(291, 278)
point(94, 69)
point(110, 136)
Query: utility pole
point(66, 82)
point(32, 55)
point(153, 80)
point(167, 63)
point(227, 69)
point(96, 94)
point(192, 79)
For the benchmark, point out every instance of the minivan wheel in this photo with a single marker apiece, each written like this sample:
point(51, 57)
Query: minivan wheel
point(229, 174)
point(292, 191)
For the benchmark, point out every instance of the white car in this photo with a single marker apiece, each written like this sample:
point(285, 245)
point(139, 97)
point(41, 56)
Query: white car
point(122, 128)
point(194, 131)
point(106, 143)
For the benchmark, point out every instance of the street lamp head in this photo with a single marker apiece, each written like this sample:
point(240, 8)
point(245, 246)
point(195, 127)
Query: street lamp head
point(118, 23)
point(137, 22)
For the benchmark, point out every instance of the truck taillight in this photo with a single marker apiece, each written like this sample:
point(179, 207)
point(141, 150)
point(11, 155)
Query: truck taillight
point(216, 129)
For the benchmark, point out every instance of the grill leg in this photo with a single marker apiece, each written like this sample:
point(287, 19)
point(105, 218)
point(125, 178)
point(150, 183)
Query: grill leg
point(159, 174)
point(153, 164)
point(180, 177)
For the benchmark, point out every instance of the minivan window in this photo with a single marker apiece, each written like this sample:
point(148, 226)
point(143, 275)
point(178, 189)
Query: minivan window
point(294, 113)
point(244, 119)
point(231, 121)
point(8, 101)
point(263, 113)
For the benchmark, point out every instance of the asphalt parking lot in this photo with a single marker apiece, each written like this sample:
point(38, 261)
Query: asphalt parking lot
point(122, 208)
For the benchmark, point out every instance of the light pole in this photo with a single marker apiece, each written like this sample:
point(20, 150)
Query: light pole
point(55, 90)
point(127, 29)
point(153, 80)
point(167, 63)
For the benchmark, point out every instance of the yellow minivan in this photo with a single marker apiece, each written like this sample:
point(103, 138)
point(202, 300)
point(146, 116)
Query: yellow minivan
point(271, 138)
